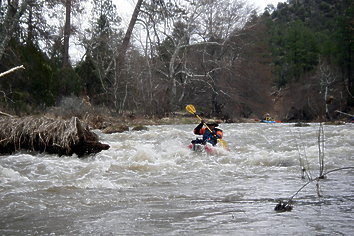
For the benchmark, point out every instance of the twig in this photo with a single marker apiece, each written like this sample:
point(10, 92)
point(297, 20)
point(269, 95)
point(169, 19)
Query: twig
point(304, 170)
point(319, 178)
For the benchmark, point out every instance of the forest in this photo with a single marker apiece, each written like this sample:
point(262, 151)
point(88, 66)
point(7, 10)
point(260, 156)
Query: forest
point(293, 60)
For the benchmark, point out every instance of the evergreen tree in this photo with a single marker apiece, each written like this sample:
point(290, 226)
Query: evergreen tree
point(301, 32)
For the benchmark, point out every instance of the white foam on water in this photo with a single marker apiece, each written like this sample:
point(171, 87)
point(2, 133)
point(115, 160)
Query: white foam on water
point(151, 182)
point(9, 175)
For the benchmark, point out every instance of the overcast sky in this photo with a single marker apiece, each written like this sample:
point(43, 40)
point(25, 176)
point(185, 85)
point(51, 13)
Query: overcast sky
point(263, 3)
point(125, 7)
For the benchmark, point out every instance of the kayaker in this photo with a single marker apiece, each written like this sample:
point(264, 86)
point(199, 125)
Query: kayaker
point(210, 137)
point(267, 117)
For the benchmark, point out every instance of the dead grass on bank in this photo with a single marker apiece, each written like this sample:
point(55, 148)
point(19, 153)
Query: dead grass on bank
point(102, 121)
point(43, 134)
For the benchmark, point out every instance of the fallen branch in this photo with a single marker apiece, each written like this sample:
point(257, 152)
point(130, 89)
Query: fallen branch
point(12, 70)
point(56, 136)
point(5, 114)
point(344, 113)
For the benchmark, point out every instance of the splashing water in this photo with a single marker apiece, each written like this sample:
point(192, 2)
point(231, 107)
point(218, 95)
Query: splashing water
point(149, 183)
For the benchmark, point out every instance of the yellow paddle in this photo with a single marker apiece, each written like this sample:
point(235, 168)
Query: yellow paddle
point(191, 109)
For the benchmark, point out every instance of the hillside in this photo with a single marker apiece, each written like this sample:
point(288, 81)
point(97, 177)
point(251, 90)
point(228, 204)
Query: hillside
point(312, 50)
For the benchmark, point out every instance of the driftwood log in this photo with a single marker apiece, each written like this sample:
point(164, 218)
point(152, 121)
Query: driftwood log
point(55, 136)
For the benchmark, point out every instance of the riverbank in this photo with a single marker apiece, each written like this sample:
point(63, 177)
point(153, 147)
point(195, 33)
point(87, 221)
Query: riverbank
point(124, 122)
point(180, 118)
point(102, 122)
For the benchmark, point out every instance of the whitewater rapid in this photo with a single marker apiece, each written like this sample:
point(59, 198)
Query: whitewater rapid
point(149, 183)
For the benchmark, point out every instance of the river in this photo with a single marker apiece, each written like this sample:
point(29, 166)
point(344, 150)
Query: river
point(149, 183)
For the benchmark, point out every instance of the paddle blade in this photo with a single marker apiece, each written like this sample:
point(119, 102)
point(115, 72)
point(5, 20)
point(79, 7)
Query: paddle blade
point(191, 109)
point(223, 143)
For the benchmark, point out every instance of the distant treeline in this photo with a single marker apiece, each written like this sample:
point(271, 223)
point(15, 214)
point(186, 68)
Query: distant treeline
point(219, 55)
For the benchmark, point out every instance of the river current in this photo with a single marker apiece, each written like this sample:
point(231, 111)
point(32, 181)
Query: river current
point(149, 183)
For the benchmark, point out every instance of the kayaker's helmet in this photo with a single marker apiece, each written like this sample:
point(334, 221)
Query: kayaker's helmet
point(214, 123)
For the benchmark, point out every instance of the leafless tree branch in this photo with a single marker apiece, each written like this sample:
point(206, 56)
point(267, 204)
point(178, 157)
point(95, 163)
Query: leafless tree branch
point(12, 70)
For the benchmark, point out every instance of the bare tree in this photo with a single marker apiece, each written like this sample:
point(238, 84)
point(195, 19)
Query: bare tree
point(327, 78)
point(184, 52)
point(180, 51)
point(198, 54)
point(13, 13)
point(108, 52)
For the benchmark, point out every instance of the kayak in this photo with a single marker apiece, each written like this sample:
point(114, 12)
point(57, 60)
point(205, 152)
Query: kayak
point(207, 148)
point(270, 121)
point(198, 147)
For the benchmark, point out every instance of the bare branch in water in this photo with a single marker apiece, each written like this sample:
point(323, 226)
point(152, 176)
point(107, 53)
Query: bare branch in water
point(286, 206)
point(289, 201)
point(321, 143)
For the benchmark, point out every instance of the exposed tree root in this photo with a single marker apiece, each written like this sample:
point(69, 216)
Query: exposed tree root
point(55, 136)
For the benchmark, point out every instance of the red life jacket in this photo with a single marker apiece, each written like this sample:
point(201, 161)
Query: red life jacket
point(208, 136)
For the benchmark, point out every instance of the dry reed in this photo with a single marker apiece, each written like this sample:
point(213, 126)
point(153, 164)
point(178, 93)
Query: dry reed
point(43, 134)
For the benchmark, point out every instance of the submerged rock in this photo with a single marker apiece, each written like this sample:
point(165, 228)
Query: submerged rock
point(300, 124)
point(115, 129)
point(336, 122)
point(140, 128)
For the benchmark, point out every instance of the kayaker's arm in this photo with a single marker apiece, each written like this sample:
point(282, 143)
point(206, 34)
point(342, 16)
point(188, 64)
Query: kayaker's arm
point(198, 128)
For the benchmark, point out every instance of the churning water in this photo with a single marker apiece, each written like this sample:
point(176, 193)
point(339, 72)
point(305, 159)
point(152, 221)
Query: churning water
point(149, 183)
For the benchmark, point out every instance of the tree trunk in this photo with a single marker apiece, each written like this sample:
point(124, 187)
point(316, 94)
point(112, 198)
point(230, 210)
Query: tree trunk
point(30, 24)
point(67, 31)
point(128, 34)
point(12, 17)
